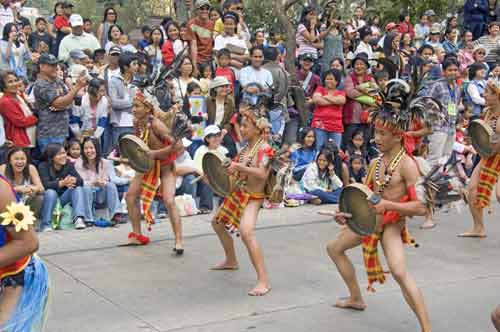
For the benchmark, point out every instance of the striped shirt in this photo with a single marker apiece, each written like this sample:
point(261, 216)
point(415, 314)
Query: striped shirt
point(492, 47)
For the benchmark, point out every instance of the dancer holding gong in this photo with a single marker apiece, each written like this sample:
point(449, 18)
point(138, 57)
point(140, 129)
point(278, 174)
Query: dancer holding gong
point(238, 214)
point(393, 178)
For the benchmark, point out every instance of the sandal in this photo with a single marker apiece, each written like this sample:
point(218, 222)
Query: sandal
point(143, 240)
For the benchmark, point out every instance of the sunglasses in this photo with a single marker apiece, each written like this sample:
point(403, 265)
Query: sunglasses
point(239, 8)
point(205, 8)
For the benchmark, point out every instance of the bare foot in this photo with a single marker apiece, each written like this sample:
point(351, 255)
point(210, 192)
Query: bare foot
point(260, 289)
point(348, 303)
point(473, 233)
point(232, 266)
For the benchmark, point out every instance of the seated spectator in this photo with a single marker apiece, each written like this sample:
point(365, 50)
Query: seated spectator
point(224, 69)
point(449, 44)
point(321, 181)
point(25, 179)
point(91, 118)
point(327, 117)
point(97, 175)
point(305, 154)
point(357, 170)
point(184, 77)
point(13, 52)
point(255, 75)
point(19, 120)
point(40, 35)
point(146, 35)
point(495, 73)
point(61, 181)
point(357, 145)
point(4, 143)
point(74, 149)
point(186, 172)
point(78, 39)
point(491, 43)
point(114, 33)
point(173, 45)
point(110, 18)
point(125, 44)
point(211, 143)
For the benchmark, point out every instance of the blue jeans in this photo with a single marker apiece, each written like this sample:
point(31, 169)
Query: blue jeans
point(206, 196)
point(186, 186)
point(327, 197)
point(116, 132)
point(323, 136)
point(43, 142)
point(106, 196)
point(75, 196)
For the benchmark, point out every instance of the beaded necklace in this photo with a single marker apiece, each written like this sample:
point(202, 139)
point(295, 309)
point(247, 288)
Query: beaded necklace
point(394, 163)
point(240, 182)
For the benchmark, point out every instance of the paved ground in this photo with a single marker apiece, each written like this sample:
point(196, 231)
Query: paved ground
point(99, 287)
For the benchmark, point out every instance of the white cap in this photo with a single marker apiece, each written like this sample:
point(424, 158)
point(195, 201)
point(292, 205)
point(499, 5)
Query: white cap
point(211, 130)
point(76, 20)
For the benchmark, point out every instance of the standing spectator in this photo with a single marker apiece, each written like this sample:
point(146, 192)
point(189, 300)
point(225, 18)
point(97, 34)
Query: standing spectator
point(110, 19)
point(307, 78)
point(447, 92)
point(327, 118)
point(354, 113)
point(97, 174)
point(235, 6)
point(61, 181)
point(307, 35)
point(7, 14)
point(13, 52)
point(405, 25)
point(77, 39)
point(449, 43)
point(62, 24)
point(258, 39)
point(435, 36)
point(357, 21)
point(365, 37)
point(41, 35)
point(229, 37)
point(466, 39)
point(153, 50)
point(421, 31)
point(476, 87)
point(53, 102)
point(115, 32)
point(146, 36)
point(88, 26)
point(491, 42)
point(200, 34)
point(112, 68)
point(121, 93)
point(173, 45)
point(476, 16)
point(16, 121)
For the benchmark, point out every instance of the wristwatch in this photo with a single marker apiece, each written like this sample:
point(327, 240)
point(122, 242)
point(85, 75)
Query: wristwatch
point(374, 198)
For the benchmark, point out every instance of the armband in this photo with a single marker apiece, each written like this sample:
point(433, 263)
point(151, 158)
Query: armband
point(412, 193)
point(18, 215)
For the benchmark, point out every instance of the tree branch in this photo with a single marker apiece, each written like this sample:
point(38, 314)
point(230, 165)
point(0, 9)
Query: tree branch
point(289, 4)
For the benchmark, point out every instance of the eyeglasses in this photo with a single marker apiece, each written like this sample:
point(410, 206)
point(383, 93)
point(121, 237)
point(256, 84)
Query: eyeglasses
point(239, 8)
point(205, 8)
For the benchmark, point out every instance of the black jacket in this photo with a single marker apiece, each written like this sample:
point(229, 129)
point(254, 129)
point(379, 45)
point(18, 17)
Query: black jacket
point(50, 177)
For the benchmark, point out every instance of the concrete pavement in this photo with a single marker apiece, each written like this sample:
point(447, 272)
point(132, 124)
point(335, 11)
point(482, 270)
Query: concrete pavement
point(100, 287)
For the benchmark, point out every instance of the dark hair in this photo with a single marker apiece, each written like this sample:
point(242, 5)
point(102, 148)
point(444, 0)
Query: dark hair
point(448, 31)
point(329, 156)
point(57, 4)
point(337, 74)
point(474, 68)
point(94, 86)
point(191, 87)
point(402, 15)
point(98, 157)
point(380, 75)
point(151, 36)
point(111, 28)
point(424, 47)
point(85, 20)
point(6, 31)
point(216, 10)
point(231, 15)
point(3, 76)
point(145, 28)
point(271, 54)
point(223, 52)
point(50, 151)
point(388, 40)
point(256, 48)
point(125, 60)
point(229, 3)
point(9, 171)
point(40, 19)
point(303, 133)
point(450, 61)
point(175, 24)
point(70, 143)
point(306, 10)
point(106, 14)
point(201, 68)
point(339, 60)
point(165, 20)
point(182, 62)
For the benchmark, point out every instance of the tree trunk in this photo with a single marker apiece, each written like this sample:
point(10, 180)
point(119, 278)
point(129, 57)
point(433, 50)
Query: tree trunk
point(181, 10)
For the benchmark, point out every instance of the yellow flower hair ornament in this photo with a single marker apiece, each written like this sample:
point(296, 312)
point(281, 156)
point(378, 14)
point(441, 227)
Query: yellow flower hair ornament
point(19, 215)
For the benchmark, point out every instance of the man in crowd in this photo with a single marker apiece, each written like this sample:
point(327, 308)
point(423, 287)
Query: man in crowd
point(254, 78)
point(53, 102)
point(78, 39)
point(200, 34)
point(40, 35)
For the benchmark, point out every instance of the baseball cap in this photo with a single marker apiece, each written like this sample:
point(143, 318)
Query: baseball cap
point(389, 26)
point(76, 20)
point(201, 3)
point(77, 54)
point(435, 29)
point(68, 5)
point(47, 59)
point(211, 130)
point(115, 50)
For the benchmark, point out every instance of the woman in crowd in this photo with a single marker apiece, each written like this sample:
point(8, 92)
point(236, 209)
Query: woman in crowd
point(304, 155)
point(91, 118)
point(465, 57)
point(327, 117)
point(154, 49)
point(476, 88)
point(61, 181)
point(405, 25)
point(258, 39)
point(449, 44)
point(173, 45)
point(114, 34)
point(321, 181)
point(183, 78)
point(338, 64)
point(491, 43)
point(307, 35)
point(14, 51)
point(97, 175)
point(25, 179)
point(17, 121)
point(110, 19)
point(230, 37)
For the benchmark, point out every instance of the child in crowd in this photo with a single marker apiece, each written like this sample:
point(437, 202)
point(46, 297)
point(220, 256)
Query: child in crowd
point(304, 155)
point(125, 44)
point(197, 113)
point(223, 68)
point(357, 169)
point(463, 150)
point(357, 145)
point(381, 78)
point(74, 150)
point(146, 36)
point(495, 73)
point(173, 45)
point(205, 77)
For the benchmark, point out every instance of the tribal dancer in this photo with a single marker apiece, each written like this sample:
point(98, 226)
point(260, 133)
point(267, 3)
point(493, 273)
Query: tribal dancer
point(23, 276)
point(156, 134)
point(238, 214)
point(485, 175)
point(393, 177)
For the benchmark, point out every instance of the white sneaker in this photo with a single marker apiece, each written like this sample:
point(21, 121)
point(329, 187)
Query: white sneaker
point(80, 223)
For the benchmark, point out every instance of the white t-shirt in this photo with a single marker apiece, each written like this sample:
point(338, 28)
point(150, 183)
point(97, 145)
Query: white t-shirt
point(222, 41)
point(202, 150)
point(219, 113)
point(6, 16)
point(2, 132)
point(251, 75)
point(183, 160)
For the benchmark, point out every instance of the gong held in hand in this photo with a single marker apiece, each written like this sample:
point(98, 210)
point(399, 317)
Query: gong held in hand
point(134, 149)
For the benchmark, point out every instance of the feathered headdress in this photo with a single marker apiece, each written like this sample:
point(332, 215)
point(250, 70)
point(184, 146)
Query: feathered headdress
point(147, 99)
point(258, 115)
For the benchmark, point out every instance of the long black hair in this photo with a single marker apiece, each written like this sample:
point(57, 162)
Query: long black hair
point(6, 32)
point(106, 14)
point(9, 171)
point(162, 40)
point(303, 133)
point(98, 157)
point(336, 159)
point(50, 151)
point(328, 154)
point(3, 76)
point(303, 20)
point(111, 28)
point(57, 4)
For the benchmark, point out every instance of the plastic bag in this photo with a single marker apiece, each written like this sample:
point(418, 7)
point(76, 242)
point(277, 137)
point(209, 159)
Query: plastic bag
point(186, 205)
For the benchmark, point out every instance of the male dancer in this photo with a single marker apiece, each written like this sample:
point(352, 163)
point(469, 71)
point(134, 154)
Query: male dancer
point(392, 176)
point(23, 276)
point(485, 175)
point(156, 135)
point(240, 209)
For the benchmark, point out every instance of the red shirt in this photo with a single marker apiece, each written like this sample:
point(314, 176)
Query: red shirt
point(167, 50)
point(15, 121)
point(61, 21)
point(203, 34)
point(328, 117)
